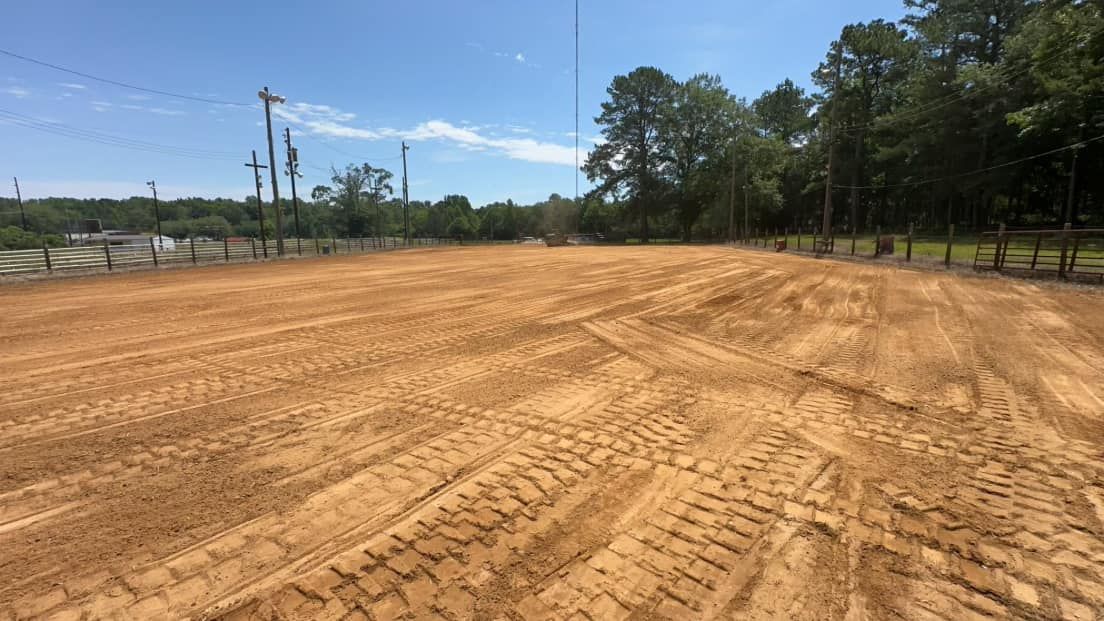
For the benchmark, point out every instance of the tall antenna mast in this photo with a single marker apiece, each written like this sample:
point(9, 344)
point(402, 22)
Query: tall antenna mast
point(576, 99)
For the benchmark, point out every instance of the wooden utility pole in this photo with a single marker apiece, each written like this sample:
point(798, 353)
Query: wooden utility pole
point(157, 215)
point(1073, 178)
point(406, 199)
point(268, 99)
point(747, 218)
point(293, 172)
point(732, 198)
point(260, 206)
point(19, 199)
point(826, 225)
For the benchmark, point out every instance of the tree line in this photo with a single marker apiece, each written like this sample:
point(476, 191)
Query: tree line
point(972, 113)
point(356, 204)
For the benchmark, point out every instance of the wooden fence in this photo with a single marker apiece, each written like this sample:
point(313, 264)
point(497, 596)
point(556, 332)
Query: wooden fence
point(112, 257)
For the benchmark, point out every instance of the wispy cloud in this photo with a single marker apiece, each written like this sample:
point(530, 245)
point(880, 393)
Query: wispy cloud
point(520, 58)
point(138, 97)
point(72, 85)
point(101, 106)
point(330, 122)
point(17, 91)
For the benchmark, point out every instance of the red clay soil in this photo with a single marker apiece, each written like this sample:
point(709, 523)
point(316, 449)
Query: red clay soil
point(551, 433)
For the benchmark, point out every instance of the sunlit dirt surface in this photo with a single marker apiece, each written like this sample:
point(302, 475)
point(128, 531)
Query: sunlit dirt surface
point(551, 433)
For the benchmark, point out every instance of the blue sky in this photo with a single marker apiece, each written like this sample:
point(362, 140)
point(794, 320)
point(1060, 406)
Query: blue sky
point(483, 91)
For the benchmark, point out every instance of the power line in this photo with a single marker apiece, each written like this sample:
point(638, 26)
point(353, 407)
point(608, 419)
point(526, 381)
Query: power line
point(122, 84)
point(1076, 145)
point(107, 139)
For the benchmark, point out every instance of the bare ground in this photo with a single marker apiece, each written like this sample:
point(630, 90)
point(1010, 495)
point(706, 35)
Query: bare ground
point(551, 433)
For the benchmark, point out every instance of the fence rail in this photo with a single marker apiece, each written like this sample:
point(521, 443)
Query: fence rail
point(128, 256)
point(1066, 253)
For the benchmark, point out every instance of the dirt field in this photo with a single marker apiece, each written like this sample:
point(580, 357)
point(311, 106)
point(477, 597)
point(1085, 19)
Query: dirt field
point(551, 433)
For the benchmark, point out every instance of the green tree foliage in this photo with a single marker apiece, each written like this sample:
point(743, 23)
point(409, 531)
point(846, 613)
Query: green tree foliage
point(633, 159)
point(937, 119)
point(356, 198)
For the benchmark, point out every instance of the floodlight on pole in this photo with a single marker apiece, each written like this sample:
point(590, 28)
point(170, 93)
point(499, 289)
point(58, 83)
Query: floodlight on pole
point(270, 98)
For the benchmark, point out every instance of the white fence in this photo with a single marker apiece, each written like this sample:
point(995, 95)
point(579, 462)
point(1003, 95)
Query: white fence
point(112, 257)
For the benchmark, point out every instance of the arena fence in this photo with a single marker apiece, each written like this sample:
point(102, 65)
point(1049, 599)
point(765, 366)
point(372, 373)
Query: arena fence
point(129, 256)
point(1066, 253)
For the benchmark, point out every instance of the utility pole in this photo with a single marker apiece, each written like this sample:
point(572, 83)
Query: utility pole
point(293, 172)
point(747, 211)
point(373, 184)
point(1073, 176)
point(260, 206)
point(732, 198)
point(19, 199)
point(269, 99)
point(826, 227)
point(406, 199)
point(157, 215)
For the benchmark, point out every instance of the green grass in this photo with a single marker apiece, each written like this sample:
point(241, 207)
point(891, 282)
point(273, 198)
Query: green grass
point(926, 248)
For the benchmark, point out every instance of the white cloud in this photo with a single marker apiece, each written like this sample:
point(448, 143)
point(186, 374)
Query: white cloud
point(330, 122)
point(72, 85)
point(520, 58)
point(17, 91)
point(138, 97)
point(165, 111)
point(323, 120)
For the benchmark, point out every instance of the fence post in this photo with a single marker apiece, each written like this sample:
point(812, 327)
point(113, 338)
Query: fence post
point(1065, 246)
point(362, 243)
point(877, 241)
point(997, 251)
point(317, 249)
point(799, 238)
point(153, 252)
point(950, 242)
point(854, 232)
point(191, 240)
point(908, 252)
point(334, 240)
point(349, 244)
point(107, 253)
point(1035, 255)
point(1073, 257)
point(253, 241)
point(46, 253)
point(226, 249)
point(832, 242)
